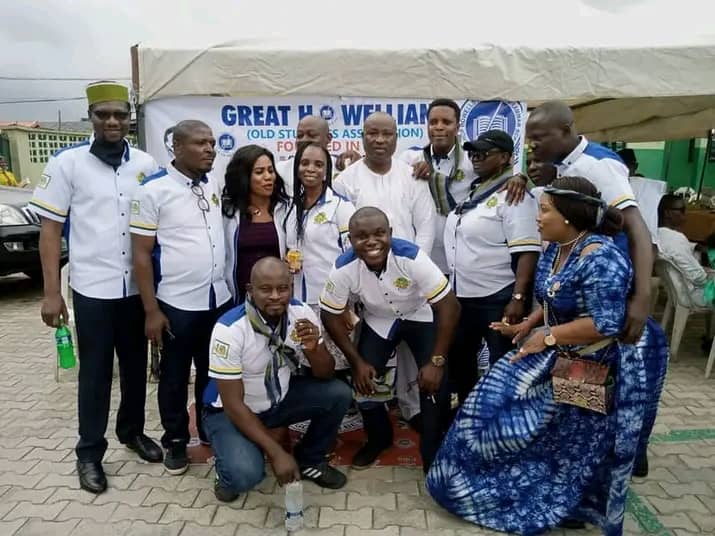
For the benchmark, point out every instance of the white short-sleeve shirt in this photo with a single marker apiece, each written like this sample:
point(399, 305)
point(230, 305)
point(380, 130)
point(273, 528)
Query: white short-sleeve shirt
point(404, 290)
point(325, 237)
point(237, 352)
point(603, 168)
point(406, 201)
point(458, 188)
point(189, 256)
point(648, 194)
point(79, 187)
point(479, 244)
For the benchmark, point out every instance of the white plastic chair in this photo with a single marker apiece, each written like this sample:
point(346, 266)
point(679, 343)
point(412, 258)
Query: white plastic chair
point(680, 300)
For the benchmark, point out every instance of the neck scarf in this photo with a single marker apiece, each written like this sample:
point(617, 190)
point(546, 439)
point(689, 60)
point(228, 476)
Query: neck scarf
point(439, 183)
point(109, 153)
point(281, 354)
point(481, 191)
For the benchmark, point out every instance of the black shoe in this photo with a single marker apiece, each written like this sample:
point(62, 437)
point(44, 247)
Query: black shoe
point(640, 468)
point(571, 523)
point(323, 475)
point(147, 449)
point(368, 453)
point(224, 494)
point(91, 476)
point(176, 460)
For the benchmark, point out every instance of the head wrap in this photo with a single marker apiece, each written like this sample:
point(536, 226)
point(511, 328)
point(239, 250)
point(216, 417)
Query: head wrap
point(106, 91)
point(601, 205)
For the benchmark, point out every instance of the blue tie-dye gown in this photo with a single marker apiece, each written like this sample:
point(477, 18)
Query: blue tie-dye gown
point(516, 461)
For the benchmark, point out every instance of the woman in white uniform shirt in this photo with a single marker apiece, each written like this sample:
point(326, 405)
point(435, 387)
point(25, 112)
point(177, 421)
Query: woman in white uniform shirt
point(491, 249)
point(317, 227)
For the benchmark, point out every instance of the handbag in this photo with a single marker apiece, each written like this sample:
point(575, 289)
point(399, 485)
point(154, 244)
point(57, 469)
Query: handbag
point(581, 382)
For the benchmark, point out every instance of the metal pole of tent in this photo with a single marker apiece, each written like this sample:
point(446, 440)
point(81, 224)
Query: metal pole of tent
point(706, 157)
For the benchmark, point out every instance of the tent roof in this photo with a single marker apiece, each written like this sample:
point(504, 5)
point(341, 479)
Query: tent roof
point(653, 80)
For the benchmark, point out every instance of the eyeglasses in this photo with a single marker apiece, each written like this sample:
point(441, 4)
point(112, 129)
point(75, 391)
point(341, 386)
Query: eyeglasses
point(104, 115)
point(479, 155)
point(202, 201)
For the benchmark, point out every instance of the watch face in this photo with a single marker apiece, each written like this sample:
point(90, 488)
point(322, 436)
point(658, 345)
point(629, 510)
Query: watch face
point(438, 360)
point(549, 340)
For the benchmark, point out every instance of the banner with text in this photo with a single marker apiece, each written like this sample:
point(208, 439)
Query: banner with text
point(272, 121)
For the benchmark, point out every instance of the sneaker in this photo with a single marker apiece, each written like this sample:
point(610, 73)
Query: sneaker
point(323, 475)
point(176, 460)
point(224, 494)
point(367, 455)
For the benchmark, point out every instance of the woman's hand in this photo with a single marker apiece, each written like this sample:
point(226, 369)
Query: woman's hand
point(517, 332)
point(533, 345)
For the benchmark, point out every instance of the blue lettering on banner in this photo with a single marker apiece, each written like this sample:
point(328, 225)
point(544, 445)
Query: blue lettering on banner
point(258, 134)
point(303, 110)
point(255, 116)
point(404, 114)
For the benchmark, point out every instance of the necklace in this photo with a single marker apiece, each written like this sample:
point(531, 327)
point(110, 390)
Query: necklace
point(557, 260)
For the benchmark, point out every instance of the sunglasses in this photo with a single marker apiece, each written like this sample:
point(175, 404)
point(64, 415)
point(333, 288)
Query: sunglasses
point(202, 201)
point(104, 115)
point(480, 155)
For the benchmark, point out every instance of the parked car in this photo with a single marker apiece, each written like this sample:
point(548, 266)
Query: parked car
point(20, 235)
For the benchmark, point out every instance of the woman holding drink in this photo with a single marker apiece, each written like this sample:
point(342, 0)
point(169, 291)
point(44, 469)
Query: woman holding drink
point(316, 230)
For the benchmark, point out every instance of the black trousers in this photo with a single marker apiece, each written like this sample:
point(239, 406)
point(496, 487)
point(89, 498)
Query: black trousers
point(192, 336)
point(104, 326)
point(473, 328)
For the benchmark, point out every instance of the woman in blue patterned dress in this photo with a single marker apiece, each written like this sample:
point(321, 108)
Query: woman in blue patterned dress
point(514, 459)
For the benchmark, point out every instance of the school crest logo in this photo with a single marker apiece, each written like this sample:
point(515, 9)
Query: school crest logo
point(402, 283)
point(140, 177)
point(44, 181)
point(479, 116)
point(492, 201)
point(320, 217)
point(220, 349)
point(214, 199)
point(135, 207)
point(329, 286)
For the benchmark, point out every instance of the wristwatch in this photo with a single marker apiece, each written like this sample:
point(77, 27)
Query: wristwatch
point(549, 339)
point(517, 297)
point(438, 360)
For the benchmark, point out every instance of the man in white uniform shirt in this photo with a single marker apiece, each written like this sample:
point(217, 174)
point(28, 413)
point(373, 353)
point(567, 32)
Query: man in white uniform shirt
point(382, 181)
point(399, 286)
point(259, 353)
point(179, 260)
point(95, 181)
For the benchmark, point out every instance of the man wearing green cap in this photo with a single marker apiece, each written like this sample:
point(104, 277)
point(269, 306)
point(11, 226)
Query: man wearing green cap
point(95, 181)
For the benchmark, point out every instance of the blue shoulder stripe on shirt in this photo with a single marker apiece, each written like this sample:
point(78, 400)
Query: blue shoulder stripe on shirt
point(599, 152)
point(340, 196)
point(295, 301)
point(161, 173)
point(346, 258)
point(404, 248)
point(232, 316)
point(75, 146)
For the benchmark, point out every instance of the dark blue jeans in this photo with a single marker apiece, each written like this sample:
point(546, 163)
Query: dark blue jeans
point(192, 336)
point(473, 327)
point(239, 461)
point(104, 326)
point(377, 351)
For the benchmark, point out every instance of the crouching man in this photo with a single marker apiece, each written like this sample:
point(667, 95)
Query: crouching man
point(257, 350)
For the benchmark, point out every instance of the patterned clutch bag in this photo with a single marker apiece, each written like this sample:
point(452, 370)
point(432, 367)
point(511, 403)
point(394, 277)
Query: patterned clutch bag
point(581, 382)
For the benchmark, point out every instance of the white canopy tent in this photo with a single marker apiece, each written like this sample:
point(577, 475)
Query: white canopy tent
point(638, 70)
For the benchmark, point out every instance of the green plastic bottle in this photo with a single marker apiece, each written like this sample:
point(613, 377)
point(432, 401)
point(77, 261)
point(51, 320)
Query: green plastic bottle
point(65, 348)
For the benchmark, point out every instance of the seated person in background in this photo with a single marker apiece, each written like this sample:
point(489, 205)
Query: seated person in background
point(396, 282)
point(7, 178)
point(257, 349)
point(675, 246)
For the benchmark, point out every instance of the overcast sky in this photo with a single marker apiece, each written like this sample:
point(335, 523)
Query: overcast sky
point(88, 39)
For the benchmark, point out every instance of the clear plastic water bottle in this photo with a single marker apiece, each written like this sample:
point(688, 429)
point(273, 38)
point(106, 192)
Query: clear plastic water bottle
point(65, 348)
point(294, 506)
point(483, 360)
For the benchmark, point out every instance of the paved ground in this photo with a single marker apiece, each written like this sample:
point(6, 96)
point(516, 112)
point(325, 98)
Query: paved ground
point(39, 493)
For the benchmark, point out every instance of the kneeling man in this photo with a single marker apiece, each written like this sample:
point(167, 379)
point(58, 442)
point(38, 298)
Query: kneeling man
point(397, 283)
point(269, 368)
